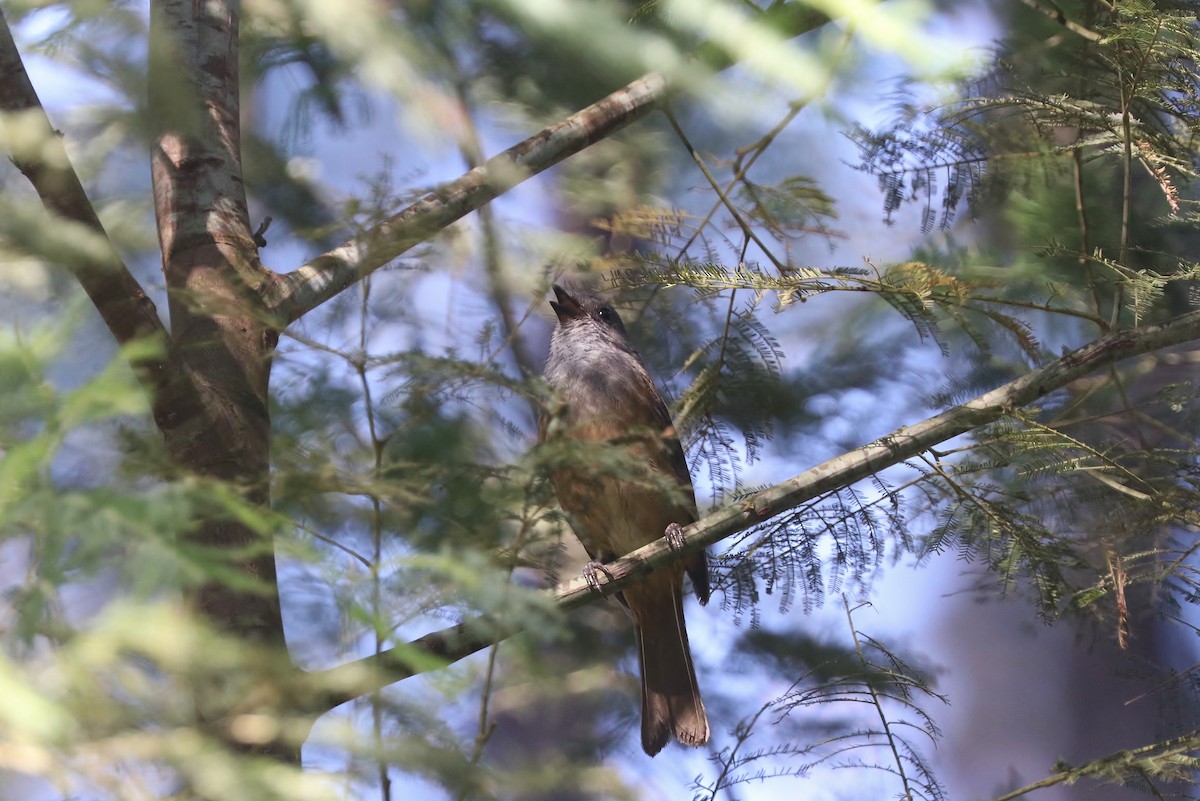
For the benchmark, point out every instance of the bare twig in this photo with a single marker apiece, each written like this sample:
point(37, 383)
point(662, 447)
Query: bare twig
point(712, 182)
point(359, 363)
point(1085, 236)
point(748, 155)
point(876, 702)
point(471, 148)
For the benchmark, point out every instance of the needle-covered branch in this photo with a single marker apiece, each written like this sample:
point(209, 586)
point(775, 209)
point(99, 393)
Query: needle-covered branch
point(1172, 760)
point(363, 676)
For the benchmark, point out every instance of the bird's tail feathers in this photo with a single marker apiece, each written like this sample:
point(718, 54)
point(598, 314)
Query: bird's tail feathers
point(671, 703)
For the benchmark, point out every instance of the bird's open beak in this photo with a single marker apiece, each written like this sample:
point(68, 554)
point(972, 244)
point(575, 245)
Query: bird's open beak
point(566, 307)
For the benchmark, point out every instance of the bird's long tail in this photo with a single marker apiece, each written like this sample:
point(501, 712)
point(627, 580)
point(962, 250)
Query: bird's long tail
point(670, 698)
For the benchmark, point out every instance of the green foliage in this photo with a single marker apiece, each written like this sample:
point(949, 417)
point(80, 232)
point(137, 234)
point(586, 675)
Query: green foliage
point(1168, 761)
point(110, 707)
point(838, 543)
point(98, 694)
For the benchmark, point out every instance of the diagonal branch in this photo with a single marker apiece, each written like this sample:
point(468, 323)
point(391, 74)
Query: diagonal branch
point(346, 682)
point(121, 301)
point(1172, 759)
point(39, 155)
point(1058, 16)
point(296, 293)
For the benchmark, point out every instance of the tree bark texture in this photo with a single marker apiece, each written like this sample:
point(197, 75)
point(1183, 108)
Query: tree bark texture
point(212, 272)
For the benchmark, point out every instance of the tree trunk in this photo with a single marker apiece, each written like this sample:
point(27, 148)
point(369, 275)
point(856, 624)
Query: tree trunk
point(220, 338)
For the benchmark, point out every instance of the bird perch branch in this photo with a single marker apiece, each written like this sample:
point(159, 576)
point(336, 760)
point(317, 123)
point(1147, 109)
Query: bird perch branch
point(346, 682)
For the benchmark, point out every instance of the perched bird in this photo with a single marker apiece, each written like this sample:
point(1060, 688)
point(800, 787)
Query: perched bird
point(609, 396)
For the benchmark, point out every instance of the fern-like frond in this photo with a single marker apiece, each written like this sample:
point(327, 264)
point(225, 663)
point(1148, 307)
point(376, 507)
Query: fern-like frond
point(892, 737)
point(795, 205)
point(1142, 91)
point(835, 544)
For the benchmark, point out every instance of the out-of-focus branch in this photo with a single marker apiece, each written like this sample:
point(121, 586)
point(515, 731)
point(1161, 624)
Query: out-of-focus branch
point(294, 294)
point(297, 293)
point(471, 148)
point(345, 682)
point(1058, 16)
point(37, 151)
point(1175, 758)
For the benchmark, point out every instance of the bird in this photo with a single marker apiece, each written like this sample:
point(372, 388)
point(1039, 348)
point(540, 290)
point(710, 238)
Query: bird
point(608, 396)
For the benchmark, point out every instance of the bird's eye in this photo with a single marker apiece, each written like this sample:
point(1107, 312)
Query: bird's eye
point(607, 315)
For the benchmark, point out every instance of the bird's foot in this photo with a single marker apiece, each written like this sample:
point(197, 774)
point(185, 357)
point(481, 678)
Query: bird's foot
point(590, 571)
point(674, 535)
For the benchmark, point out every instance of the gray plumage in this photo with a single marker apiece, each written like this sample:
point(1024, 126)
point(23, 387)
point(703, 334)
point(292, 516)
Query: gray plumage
point(609, 396)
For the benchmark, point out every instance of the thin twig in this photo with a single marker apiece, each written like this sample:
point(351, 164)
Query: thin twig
point(883, 718)
point(754, 150)
point(1128, 92)
point(471, 149)
point(1085, 238)
point(1179, 747)
point(359, 363)
point(1058, 16)
point(712, 181)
